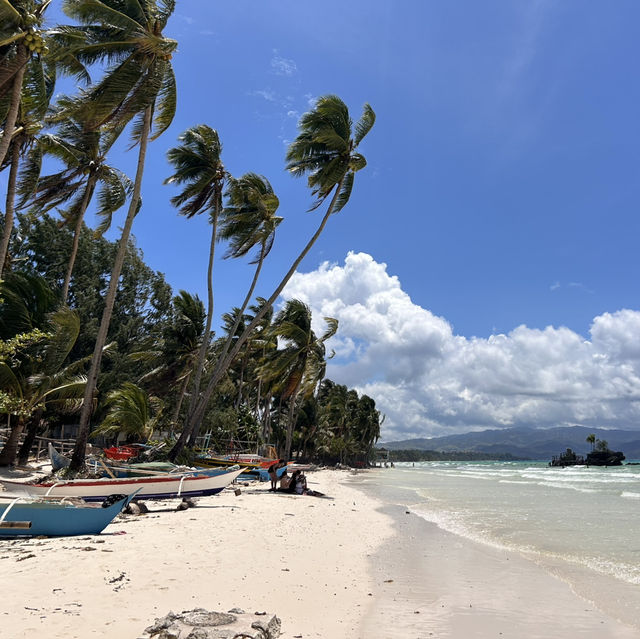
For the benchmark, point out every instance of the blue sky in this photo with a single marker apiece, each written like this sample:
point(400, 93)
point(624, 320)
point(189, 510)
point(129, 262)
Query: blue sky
point(498, 211)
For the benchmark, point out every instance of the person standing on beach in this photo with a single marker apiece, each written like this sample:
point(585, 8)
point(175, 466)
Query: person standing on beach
point(273, 472)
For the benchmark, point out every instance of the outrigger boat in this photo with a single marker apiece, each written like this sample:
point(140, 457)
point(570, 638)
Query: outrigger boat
point(164, 486)
point(56, 517)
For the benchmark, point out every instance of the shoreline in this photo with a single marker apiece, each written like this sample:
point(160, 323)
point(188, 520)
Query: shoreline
point(301, 558)
point(431, 582)
point(354, 565)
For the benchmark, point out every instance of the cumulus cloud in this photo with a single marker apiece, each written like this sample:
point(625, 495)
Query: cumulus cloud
point(430, 382)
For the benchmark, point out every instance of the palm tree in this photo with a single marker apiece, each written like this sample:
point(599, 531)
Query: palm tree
point(591, 439)
point(25, 304)
point(140, 84)
point(247, 221)
point(83, 152)
point(326, 151)
point(198, 165)
point(21, 41)
point(32, 107)
point(131, 411)
point(300, 365)
point(41, 379)
point(174, 359)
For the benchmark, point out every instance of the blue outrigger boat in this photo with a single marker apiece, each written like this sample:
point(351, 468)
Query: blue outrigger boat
point(57, 517)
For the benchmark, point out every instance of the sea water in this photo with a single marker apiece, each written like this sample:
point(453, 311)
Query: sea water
point(580, 523)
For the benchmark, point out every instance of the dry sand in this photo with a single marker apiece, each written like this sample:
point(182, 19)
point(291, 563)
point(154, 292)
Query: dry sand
point(303, 558)
point(348, 567)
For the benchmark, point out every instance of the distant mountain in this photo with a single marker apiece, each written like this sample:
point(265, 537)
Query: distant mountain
point(529, 443)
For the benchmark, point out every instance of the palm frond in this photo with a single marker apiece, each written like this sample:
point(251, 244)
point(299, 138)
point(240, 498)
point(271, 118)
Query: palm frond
point(166, 102)
point(29, 175)
point(9, 16)
point(65, 328)
point(9, 382)
point(345, 192)
point(96, 12)
point(364, 124)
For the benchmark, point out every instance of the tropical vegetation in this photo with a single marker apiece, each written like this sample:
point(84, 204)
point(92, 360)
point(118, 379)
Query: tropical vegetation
point(93, 339)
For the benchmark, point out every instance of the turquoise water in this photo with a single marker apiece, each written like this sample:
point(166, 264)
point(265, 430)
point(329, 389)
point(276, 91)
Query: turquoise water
point(587, 516)
point(582, 524)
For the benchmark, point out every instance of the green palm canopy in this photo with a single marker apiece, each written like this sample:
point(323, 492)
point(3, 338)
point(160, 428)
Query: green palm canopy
point(326, 151)
point(127, 36)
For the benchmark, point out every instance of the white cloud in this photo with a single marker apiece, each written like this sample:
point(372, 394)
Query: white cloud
point(265, 94)
point(282, 66)
point(429, 381)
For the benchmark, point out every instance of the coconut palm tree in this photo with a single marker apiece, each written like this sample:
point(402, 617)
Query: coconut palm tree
point(198, 165)
point(300, 366)
point(83, 153)
point(591, 439)
point(174, 359)
point(131, 411)
point(248, 222)
point(21, 41)
point(138, 84)
point(29, 121)
point(41, 379)
point(326, 151)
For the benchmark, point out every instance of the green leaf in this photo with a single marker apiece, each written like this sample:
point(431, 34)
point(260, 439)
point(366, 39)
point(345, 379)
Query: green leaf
point(364, 124)
point(344, 193)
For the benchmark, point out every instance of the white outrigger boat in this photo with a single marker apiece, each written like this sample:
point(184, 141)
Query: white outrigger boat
point(157, 486)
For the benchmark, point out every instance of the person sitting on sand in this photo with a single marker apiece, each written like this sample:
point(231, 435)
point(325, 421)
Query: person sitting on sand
point(301, 484)
point(297, 483)
point(284, 481)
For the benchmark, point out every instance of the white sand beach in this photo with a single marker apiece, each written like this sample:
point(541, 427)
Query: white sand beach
point(334, 568)
point(302, 558)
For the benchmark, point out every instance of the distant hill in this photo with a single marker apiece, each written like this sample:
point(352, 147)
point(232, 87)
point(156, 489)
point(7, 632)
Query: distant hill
point(528, 443)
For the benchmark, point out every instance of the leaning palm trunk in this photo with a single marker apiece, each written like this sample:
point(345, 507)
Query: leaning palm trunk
point(10, 205)
point(290, 423)
point(86, 198)
point(30, 437)
point(10, 449)
point(204, 347)
point(14, 107)
point(225, 361)
point(191, 433)
point(77, 460)
point(181, 394)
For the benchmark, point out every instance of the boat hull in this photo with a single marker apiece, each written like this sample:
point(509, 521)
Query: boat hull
point(155, 487)
point(56, 518)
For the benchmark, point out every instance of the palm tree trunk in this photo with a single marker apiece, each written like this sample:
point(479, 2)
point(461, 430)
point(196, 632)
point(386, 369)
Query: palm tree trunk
point(10, 449)
point(10, 206)
point(266, 417)
point(202, 353)
point(77, 460)
point(290, 425)
point(14, 106)
point(206, 337)
point(30, 437)
point(86, 198)
point(224, 362)
point(183, 390)
point(191, 432)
